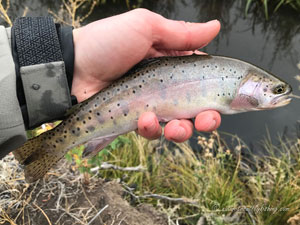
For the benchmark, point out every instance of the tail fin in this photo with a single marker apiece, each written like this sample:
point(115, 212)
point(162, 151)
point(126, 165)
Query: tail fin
point(38, 157)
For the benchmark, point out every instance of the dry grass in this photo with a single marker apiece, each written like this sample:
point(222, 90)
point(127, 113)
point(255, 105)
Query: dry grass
point(20, 201)
point(74, 12)
point(3, 12)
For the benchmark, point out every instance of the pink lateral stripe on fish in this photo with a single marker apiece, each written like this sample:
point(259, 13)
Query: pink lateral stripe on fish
point(171, 87)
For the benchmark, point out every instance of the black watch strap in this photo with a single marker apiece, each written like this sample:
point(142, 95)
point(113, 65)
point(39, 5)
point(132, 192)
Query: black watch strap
point(44, 91)
point(36, 41)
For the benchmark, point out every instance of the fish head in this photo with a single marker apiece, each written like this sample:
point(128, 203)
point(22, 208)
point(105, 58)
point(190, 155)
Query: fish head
point(260, 90)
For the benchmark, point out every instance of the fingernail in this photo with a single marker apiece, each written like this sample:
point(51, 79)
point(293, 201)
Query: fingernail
point(181, 133)
point(152, 127)
point(211, 21)
point(212, 125)
point(203, 45)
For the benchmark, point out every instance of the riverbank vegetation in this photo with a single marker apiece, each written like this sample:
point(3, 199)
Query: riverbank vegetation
point(219, 182)
point(271, 6)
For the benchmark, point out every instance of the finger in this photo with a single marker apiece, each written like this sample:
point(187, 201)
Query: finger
point(207, 121)
point(178, 130)
point(158, 53)
point(148, 126)
point(179, 35)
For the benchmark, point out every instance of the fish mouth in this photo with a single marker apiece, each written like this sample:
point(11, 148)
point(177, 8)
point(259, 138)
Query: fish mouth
point(281, 100)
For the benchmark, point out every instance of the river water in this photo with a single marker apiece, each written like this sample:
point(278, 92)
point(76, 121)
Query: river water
point(273, 45)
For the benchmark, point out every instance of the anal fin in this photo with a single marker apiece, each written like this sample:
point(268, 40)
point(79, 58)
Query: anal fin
point(93, 146)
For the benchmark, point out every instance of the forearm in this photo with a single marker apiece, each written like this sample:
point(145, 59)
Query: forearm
point(12, 130)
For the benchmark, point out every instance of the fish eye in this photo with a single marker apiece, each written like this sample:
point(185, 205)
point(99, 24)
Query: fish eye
point(279, 89)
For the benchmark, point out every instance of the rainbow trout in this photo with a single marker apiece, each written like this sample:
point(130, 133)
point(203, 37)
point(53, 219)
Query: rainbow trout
point(171, 87)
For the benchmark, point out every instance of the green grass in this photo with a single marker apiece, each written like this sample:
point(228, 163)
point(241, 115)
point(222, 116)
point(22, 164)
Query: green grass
point(216, 178)
point(267, 5)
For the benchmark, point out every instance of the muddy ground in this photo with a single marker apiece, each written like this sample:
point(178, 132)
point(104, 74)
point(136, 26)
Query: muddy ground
point(62, 198)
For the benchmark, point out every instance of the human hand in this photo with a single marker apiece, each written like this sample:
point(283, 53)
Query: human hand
point(106, 49)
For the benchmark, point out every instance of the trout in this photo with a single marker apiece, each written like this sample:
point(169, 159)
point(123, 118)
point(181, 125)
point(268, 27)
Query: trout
point(171, 87)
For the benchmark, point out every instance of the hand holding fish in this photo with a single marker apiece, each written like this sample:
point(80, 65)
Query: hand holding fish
point(108, 48)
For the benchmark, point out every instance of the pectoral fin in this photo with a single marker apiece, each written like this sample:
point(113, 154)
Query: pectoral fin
point(95, 145)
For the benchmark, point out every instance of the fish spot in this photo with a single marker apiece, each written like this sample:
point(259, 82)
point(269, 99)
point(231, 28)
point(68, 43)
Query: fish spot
point(207, 66)
point(183, 71)
point(126, 86)
point(203, 66)
point(90, 111)
point(86, 131)
point(174, 66)
point(153, 75)
point(65, 136)
point(91, 128)
point(203, 77)
point(226, 76)
point(143, 81)
point(222, 78)
point(133, 91)
point(234, 71)
point(125, 114)
point(147, 105)
point(161, 80)
point(73, 131)
point(109, 110)
point(77, 118)
point(195, 64)
point(140, 86)
point(70, 121)
point(98, 114)
point(216, 66)
point(118, 89)
point(118, 104)
point(95, 105)
point(166, 64)
point(218, 94)
point(223, 94)
point(112, 117)
point(83, 122)
point(54, 146)
point(89, 118)
point(78, 128)
point(229, 94)
point(108, 93)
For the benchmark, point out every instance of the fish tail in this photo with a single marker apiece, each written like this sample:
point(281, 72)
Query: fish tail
point(37, 157)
